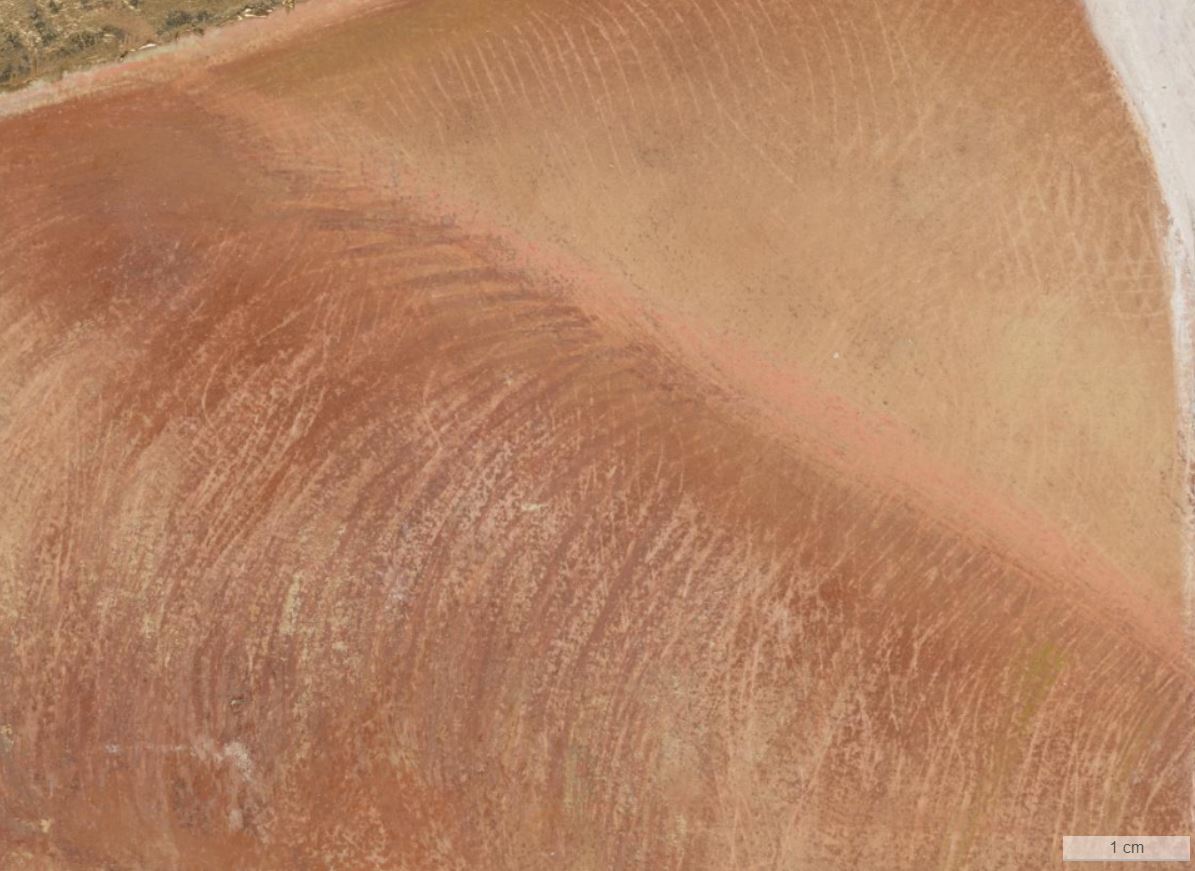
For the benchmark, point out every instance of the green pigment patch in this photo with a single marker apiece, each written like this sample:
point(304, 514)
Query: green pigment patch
point(42, 39)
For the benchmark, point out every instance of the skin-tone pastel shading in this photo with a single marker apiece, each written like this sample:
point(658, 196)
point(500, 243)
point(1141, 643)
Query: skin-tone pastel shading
point(1152, 46)
point(544, 434)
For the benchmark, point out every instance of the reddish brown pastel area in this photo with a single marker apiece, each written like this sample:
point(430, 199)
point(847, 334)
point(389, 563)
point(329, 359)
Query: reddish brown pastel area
point(670, 435)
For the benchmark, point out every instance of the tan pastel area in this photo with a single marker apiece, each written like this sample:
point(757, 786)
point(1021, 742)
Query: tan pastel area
point(621, 434)
point(939, 213)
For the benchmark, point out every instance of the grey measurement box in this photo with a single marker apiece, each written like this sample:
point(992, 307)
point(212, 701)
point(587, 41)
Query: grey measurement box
point(1126, 848)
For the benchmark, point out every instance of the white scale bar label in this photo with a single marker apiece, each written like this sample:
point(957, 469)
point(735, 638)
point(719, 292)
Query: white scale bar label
point(1126, 848)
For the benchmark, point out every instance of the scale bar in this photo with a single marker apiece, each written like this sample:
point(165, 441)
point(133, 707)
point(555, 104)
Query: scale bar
point(1126, 848)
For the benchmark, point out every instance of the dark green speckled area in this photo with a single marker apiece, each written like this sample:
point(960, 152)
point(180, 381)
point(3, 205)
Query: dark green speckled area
point(41, 39)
